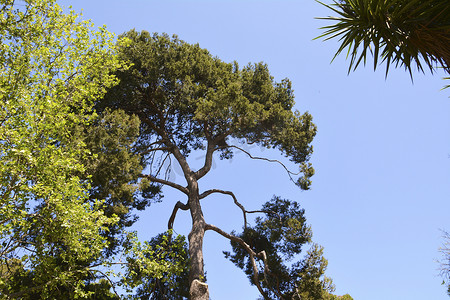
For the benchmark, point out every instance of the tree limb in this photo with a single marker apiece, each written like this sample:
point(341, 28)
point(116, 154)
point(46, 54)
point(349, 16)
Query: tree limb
point(266, 159)
point(162, 164)
point(244, 211)
point(262, 255)
point(249, 251)
point(166, 182)
point(172, 147)
point(154, 149)
point(208, 161)
point(212, 143)
point(178, 205)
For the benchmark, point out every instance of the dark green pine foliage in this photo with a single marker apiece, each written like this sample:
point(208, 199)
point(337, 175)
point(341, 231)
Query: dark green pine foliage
point(113, 168)
point(282, 234)
point(185, 96)
point(188, 100)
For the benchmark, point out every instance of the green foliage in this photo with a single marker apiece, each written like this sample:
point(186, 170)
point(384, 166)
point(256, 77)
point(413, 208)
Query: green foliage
point(400, 32)
point(49, 63)
point(174, 284)
point(52, 67)
point(157, 269)
point(112, 169)
point(185, 98)
point(282, 233)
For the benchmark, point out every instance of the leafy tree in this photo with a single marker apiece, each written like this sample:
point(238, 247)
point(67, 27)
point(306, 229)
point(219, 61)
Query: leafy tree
point(53, 223)
point(48, 64)
point(400, 32)
point(279, 238)
point(188, 100)
point(113, 169)
point(171, 286)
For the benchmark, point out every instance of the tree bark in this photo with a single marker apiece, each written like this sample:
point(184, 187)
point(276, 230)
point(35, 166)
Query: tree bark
point(198, 289)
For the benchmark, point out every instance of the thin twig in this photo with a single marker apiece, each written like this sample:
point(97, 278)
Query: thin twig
point(267, 159)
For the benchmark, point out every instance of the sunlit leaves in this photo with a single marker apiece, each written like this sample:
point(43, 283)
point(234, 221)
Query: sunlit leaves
point(52, 67)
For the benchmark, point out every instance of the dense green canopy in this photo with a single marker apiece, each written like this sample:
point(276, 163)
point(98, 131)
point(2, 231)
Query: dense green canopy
point(183, 94)
point(66, 173)
point(50, 63)
point(187, 100)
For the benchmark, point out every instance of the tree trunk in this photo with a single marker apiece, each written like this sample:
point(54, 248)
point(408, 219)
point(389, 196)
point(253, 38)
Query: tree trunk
point(198, 289)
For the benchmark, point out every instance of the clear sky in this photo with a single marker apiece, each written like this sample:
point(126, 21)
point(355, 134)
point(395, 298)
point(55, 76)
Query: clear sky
point(382, 153)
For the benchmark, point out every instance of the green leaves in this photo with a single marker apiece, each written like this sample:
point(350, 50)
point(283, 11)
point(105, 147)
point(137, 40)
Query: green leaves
point(52, 67)
point(399, 32)
point(157, 269)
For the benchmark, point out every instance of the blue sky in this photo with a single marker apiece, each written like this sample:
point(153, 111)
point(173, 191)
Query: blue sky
point(382, 153)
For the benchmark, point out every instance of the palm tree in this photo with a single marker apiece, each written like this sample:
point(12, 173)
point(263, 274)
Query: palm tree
point(401, 32)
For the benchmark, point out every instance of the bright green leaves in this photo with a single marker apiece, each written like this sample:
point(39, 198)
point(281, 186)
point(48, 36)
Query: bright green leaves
point(68, 177)
point(52, 67)
point(157, 269)
point(400, 32)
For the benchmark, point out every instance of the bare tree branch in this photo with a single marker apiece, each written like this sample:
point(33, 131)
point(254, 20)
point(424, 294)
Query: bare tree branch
point(212, 142)
point(249, 251)
point(244, 211)
point(165, 137)
point(208, 161)
point(209, 192)
point(153, 150)
point(267, 159)
point(166, 182)
point(162, 164)
point(178, 205)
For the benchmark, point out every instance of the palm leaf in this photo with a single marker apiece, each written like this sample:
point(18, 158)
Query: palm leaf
point(405, 33)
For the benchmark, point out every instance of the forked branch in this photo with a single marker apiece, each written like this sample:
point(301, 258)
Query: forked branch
point(249, 251)
point(178, 205)
point(208, 161)
point(211, 147)
point(238, 204)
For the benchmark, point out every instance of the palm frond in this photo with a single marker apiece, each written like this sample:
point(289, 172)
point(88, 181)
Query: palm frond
point(405, 33)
